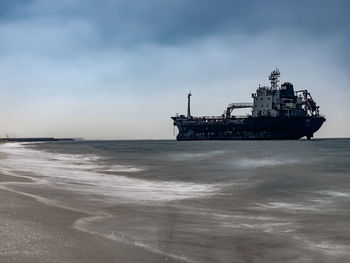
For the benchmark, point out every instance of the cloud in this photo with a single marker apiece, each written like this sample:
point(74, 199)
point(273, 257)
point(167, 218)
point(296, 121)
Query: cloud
point(171, 22)
point(67, 65)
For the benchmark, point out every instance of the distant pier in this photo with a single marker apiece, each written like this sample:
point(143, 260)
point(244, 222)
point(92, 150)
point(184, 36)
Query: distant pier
point(37, 139)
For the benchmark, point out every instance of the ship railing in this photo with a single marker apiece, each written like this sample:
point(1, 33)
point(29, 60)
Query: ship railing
point(207, 118)
point(220, 117)
point(240, 116)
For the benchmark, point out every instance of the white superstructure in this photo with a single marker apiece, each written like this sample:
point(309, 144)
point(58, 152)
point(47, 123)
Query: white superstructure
point(278, 100)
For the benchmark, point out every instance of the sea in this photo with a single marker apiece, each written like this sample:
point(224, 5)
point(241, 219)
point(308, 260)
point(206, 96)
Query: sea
point(199, 201)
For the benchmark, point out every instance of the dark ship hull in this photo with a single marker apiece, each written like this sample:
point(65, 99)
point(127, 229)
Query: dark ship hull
point(247, 128)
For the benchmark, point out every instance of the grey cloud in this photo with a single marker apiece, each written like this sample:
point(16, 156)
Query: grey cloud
point(173, 22)
point(9, 8)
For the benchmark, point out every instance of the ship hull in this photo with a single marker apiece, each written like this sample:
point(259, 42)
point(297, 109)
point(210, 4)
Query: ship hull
point(248, 128)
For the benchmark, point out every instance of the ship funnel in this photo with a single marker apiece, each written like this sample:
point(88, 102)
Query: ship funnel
point(189, 104)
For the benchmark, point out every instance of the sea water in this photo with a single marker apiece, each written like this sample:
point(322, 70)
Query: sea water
point(204, 201)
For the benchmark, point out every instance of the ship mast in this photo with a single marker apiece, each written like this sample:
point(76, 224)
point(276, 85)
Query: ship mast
point(189, 105)
point(274, 78)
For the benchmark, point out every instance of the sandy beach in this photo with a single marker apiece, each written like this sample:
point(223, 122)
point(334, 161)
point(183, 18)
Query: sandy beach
point(34, 232)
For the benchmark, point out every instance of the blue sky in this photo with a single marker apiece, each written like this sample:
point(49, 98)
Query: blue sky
point(119, 69)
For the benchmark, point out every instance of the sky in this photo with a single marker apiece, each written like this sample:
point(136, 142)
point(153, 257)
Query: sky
point(119, 69)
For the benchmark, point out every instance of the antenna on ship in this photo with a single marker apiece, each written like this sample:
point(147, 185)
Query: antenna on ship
point(274, 78)
point(189, 104)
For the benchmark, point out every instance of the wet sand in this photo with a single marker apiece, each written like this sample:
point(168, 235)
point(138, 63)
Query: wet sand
point(33, 232)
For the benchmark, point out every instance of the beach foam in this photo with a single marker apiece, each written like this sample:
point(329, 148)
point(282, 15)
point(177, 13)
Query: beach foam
point(87, 174)
point(287, 206)
point(191, 156)
point(256, 163)
point(335, 193)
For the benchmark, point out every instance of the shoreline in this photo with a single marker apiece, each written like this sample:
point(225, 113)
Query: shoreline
point(33, 231)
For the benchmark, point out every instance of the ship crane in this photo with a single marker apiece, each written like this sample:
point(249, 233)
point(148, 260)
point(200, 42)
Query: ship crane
point(309, 103)
point(235, 105)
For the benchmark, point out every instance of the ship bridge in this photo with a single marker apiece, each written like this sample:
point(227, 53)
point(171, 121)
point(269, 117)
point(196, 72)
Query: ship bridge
point(237, 105)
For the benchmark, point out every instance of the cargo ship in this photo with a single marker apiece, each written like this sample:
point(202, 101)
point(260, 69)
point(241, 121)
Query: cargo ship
point(277, 113)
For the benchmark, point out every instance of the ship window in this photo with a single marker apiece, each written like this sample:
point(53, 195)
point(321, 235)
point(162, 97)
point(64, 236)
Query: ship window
point(261, 98)
point(268, 98)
